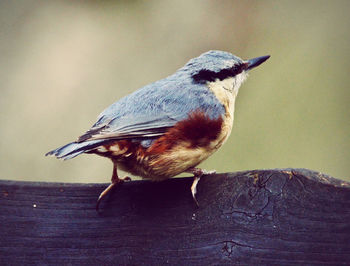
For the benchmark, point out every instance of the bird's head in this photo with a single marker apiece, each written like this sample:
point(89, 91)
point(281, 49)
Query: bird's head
point(214, 66)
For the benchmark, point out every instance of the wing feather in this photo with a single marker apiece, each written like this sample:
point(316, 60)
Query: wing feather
point(150, 111)
point(130, 127)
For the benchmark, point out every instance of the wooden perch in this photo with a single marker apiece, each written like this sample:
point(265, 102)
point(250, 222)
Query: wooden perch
point(262, 217)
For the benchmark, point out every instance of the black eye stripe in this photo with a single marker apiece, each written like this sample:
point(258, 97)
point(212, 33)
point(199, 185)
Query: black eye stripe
point(206, 75)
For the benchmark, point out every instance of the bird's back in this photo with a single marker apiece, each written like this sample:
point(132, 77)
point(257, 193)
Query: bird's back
point(146, 114)
point(173, 97)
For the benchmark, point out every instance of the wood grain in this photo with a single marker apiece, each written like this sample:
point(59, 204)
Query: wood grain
point(260, 217)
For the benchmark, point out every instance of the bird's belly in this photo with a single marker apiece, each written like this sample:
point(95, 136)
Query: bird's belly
point(177, 160)
point(185, 145)
point(169, 163)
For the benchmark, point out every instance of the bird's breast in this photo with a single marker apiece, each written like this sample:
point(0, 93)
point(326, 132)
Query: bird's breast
point(226, 93)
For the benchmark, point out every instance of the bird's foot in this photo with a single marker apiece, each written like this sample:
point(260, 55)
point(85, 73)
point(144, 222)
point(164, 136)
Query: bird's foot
point(115, 182)
point(198, 173)
point(194, 189)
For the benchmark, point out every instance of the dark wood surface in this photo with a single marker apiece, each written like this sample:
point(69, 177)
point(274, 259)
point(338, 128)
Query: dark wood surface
point(262, 217)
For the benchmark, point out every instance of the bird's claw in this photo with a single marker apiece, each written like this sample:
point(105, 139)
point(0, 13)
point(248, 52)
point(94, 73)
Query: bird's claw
point(107, 190)
point(198, 173)
point(103, 194)
point(194, 189)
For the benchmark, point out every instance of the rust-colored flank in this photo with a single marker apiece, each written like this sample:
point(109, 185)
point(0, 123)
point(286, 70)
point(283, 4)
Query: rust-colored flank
point(198, 130)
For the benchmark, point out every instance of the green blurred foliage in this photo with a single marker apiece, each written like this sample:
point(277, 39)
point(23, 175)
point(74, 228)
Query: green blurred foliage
point(63, 62)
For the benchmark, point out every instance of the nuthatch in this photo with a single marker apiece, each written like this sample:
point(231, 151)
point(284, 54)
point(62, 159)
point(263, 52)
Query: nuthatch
point(170, 126)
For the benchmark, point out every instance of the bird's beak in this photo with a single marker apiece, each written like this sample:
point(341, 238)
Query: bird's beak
point(256, 61)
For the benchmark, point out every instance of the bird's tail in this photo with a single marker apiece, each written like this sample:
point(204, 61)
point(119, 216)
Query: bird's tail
point(73, 149)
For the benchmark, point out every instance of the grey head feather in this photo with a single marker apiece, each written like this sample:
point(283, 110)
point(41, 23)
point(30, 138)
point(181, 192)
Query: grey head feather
point(213, 60)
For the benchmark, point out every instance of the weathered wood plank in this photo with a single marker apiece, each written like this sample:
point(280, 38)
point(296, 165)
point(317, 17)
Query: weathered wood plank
point(265, 217)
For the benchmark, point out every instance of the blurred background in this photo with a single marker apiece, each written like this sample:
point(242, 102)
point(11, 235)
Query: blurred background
point(63, 62)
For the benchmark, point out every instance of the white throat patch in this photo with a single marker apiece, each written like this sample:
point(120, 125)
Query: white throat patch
point(226, 92)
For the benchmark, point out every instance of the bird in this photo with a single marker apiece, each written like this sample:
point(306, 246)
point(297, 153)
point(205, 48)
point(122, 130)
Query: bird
point(170, 126)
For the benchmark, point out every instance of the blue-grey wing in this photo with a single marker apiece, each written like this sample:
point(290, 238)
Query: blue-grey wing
point(128, 127)
point(151, 110)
